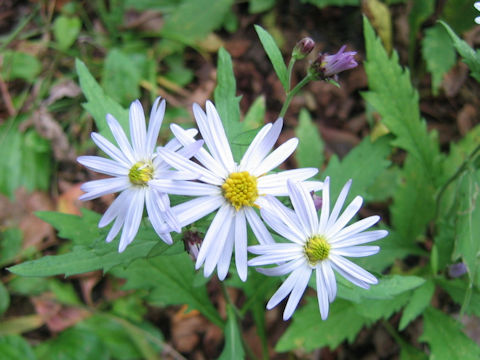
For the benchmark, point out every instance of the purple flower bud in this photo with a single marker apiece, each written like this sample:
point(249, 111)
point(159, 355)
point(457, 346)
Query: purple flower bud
point(328, 66)
point(457, 270)
point(317, 201)
point(192, 242)
point(303, 48)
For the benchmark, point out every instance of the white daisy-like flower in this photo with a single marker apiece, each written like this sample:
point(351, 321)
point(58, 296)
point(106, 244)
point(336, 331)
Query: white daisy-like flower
point(315, 244)
point(477, 6)
point(132, 167)
point(234, 189)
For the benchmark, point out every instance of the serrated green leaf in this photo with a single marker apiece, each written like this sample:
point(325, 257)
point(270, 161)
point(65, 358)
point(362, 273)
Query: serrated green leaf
point(14, 347)
point(194, 20)
point(414, 202)
point(226, 101)
point(382, 309)
point(470, 57)
point(309, 151)
point(445, 338)
point(10, 245)
point(121, 77)
point(170, 281)
point(92, 253)
point(418, 303)
point(233, 348)
point(419, 12)
point(99, 104)
point(66, 30)
point(362, 164)
point(438, 53)
point(457, 289)
point(28, 163)
point(71, 344)
point(275, 56)
point(393, 97)
point(19, 65)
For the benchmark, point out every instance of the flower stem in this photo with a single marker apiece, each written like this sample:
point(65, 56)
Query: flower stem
point(292, 93)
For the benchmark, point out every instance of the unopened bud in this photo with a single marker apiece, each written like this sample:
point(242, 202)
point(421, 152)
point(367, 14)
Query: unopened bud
point(457, 270)
point(317, 201)
point(303, 48)
point(192, 242)
point(327, 67)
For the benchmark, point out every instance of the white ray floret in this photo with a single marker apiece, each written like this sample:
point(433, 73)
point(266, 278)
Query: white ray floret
point(132, 166)
point(235, 190)
point(315, 245)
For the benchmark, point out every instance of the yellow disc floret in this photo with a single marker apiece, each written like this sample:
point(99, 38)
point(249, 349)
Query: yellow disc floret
point(317, 249)
point(141, 173)
point(240, 189)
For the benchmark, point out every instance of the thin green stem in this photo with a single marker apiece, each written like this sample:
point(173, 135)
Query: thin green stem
point(289, 71)
point(294, 92)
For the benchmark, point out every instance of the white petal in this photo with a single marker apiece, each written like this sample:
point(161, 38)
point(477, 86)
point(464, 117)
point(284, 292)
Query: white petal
point(181, 187)
point(356, 251)
point(226, 255)
point(155, 217)
point(356, 227)
point(132, 219)
point(302, 202)
point(202, 155)
point(322, 294)
point(97, 188)
point(181, 163)
point(120, 204)
point(283, 268)
point(284, 289)
point(276, 184)
point(329, 278)
point(278, 156)
point(121, 138)
point(276, 223)
point(349, 276)
point(339, 204)
point(192, 210)
point(477, 5)
point(190, 150)
point(257, 226)
point(322, 224)
point(241, 244)
point(174, 175)
point(297, 291)
point(138, 131)
point(353, 269)
point(117, 225)
point(154, 124)
point(347, 215)
point(164, 204)
point(261, 145)
point(104, 166)
point(111, 150)
point(358, 239)
point(274, 255)
point(215, 238)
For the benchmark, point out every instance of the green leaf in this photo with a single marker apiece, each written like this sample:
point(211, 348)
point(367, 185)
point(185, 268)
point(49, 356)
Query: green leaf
point(275, 56)
point(10, 245)
point(99, 104)
point(419, 12)
point(325, 3)
point(73, 344)
point(4, 298)
point(413, 202)
point(457, 289)
point(233, 348)
point(438, 53)
point(66, 30)
point(257, 6)
point(92, 253)
point(121, 77)
point(445, 338)
point(470, 57)
point(255, 116)
point(467, 244)
point(19, 65)
point(193, 20)
point(418, 303)
point(14, 347)
point(363, 164)
point(309, 151)
point(28, 162)
point(393, 97)
point(169, 280)
point(226, 102)
point(460, 14)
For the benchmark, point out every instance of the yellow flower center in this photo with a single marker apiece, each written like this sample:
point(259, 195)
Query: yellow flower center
point(141, 173)
point(317, 249)
point(240, 189)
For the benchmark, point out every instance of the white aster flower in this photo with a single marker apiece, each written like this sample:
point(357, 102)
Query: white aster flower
point(477, 6)
point(234, 189)
point(315, 245)
point(132, 166)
